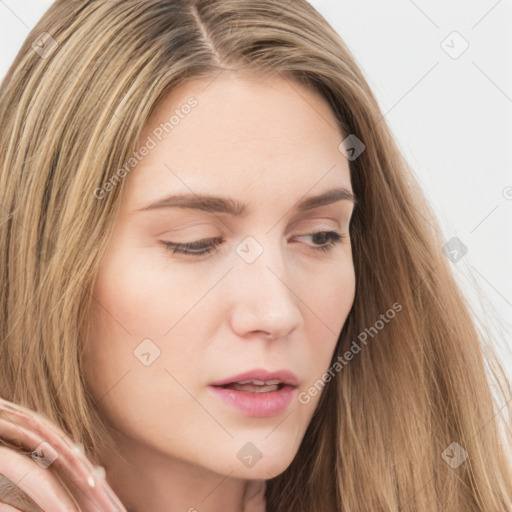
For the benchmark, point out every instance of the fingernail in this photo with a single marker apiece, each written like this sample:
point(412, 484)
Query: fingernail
point(79, 448)
point(97, 473)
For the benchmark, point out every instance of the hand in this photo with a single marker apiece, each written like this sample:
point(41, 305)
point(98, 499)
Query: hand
point(46, 470)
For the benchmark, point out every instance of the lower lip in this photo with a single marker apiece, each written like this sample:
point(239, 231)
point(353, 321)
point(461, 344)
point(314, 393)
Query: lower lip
point(259, 405)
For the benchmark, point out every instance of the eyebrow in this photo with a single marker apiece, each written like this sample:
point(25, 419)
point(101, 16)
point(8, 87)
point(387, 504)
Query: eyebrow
point(214, 204)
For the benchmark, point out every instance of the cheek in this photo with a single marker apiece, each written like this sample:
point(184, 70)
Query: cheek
point(327, 305)
point(336, 297)
point(329, 296)
point(127, 307)
point(140, 296)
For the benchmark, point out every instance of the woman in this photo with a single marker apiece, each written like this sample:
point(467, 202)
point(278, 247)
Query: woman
point(220, 278)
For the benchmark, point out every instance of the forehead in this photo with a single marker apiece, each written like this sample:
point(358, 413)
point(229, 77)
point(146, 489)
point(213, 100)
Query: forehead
point(243, 136)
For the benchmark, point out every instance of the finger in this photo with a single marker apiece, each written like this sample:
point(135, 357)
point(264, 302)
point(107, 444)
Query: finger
point(8, 508)
point(45, 455)
point(37, 483)
point(32, 431)
point(64, 458)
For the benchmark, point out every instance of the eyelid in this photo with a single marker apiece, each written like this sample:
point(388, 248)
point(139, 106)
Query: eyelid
point(317, 222)
point(190, 248)
point(208, 245)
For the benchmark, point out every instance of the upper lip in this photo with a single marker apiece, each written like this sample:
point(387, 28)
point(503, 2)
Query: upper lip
point(283, 376)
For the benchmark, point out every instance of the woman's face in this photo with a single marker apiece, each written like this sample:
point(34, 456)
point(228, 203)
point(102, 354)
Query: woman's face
point(259, 291)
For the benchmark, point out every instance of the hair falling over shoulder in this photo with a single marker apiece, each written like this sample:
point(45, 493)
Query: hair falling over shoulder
point(423, 389)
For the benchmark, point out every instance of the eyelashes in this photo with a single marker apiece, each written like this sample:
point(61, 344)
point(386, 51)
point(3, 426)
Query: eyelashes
point(198, 248)
point(328, 240)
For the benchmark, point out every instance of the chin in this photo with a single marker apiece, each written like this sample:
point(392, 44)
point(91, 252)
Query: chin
point(265, 470)
point(256, 457)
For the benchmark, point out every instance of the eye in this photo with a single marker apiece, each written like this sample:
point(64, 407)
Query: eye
point(198, 248)
point(326, 240)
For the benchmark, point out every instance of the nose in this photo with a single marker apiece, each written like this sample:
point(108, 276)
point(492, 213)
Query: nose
point(264, 300)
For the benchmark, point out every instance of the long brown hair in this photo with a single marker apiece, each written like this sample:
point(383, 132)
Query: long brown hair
point(419, 391)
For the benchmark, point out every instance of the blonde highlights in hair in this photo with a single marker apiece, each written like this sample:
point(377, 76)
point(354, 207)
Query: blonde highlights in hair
point(73, 109)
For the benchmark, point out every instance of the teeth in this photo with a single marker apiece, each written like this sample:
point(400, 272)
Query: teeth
point(255, 385)
point(259, 382)
point(254, 388)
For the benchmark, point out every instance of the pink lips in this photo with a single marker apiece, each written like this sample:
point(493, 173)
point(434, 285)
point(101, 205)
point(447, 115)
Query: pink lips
point(263, 404)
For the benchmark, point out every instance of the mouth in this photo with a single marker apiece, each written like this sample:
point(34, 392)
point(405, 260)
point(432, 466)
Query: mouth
point(257, 393)
point(255, 386)
point(260, 377)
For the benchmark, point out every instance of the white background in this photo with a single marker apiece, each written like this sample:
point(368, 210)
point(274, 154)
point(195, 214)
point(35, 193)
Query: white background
point(452, 117)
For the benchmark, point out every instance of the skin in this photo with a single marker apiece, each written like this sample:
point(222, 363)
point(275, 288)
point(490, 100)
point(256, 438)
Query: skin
point(266, 143)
